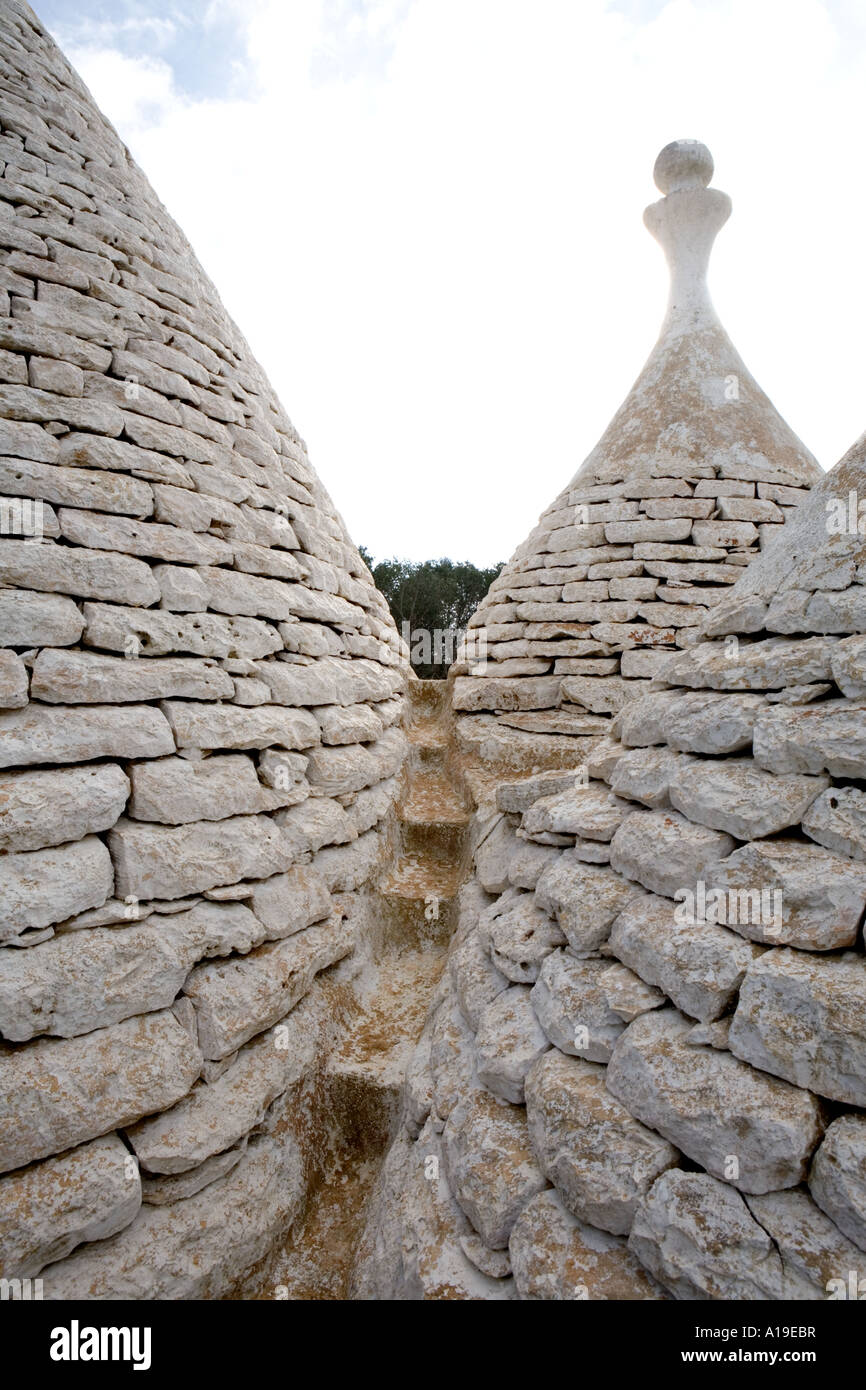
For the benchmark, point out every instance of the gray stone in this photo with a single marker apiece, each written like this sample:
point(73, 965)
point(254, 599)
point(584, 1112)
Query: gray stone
point(837, 1181)
point(175, 791)
point(740, 798)
point(571, 1003)
point(788, 893)
point(42, 886)
point(818, 1262)
point(209, 726)
point(827, 737)
point(54, 568)
point(556, 1257)
point(29, 619)
point(76, 677)
point(837, 820)
point(490, 1165)
point(508, 1041)
point(49, 807)
point(666, 853)
point(644, 774)
point(72, 734)
point(585, 900)
point(166, 861)
point(743, 1126)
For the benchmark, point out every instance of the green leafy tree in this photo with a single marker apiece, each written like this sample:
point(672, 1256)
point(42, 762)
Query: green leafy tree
point(431, 602)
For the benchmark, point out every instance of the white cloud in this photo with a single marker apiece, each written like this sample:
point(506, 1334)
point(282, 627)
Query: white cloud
point(427, 222)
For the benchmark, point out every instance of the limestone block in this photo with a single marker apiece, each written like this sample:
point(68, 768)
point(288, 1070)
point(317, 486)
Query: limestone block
point(699, 966)
point(666, 853)
point(148, 538)
point(644, 774)
point(767, 665)
point(556, 1257)
point(572, 1007)
point(452, 1058)
point(13, 681)
point(158, 632)
point(520, 934)
point(508, 1041)
point(644, 721)
point(93, 977)
point(494, 855)
point(591, 811)
point(180, 588)
point(490, 1165)
point(817, 1259)
point(353, 724)
point(345, 868)
point(743, 1126)
point(827, 1050)
point(28, 619)
point(166, 861)
point(71, 734)
point(517, 693)
point(828, 737)
point(197, 1248)
point(218, 1114)
point(740, 798)
point(475, 979)
point(51, 807)
point(86, 1194)
point(54, 568)
point(339, 770)
point(585, 900)
point(848, 666)
point(819, 896)
point(175, 791)
point(316, 822)
point(837, 820)
point(599, 1158)
point(80, 677)
point(42, 886)
point(837, 1181)
point(697, 1237)
point(207, 726)
point(236, 999)
point(712, 723)
point(59, 1092)
point(75, 487)
point(529, 862)
point(287, 903)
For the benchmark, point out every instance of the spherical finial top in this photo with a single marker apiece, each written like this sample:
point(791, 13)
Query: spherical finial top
point(683, 164)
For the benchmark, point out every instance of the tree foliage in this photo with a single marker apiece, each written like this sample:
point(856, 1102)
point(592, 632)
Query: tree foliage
point(431, 602)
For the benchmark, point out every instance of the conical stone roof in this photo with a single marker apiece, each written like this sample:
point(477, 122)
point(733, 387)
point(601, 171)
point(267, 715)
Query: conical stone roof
point(693, 476)
point(201, 692)
point(656, 995)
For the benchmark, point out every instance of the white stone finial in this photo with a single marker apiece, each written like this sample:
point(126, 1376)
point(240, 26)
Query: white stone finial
point(686, 222)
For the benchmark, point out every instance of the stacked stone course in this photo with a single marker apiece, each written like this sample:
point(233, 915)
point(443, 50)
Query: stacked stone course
point(201, 693)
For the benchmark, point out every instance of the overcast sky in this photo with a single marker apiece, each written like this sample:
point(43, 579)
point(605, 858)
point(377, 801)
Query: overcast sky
point(425, 216)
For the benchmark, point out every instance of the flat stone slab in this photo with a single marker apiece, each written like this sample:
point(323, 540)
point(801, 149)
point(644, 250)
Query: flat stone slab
point(743, 1126)
point(769, 665)
point(47, 807)
point(811, 898)
point(509, 1039)
point(166, 861)
point(827, 737)
point(826, 1051)
point(76, 734)
point(42, 886)
point(837, 1181)
point(584, 898)
point(644, 774)
point(817, 1259)
point(740, 798)
point(490, 1165)
point(591, 811)
point(598, 1156)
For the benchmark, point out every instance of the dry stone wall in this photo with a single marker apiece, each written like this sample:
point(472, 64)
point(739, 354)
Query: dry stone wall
point(201, 692)
point(690, 481)
point(645, 1073)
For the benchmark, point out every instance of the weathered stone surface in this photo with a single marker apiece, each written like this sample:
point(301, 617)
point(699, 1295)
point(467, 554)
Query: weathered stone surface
point(71, 734)
point(231, 726)
point(493, 857)
point(508, 1041)
point(827, 737)
point(345, 868)
point(665, 852)
point(196, 1248)
point(643, 722)
point(819, 897)
point(598, 694)
point(627, 994)
point(767, 665)
point(848, 666)
point(54, 568)
point(76, 677)
point(287, 903)
point(837, 1181)
point(804, 1018)
point(699, 966)
point(341, 770)
point(713, 1106)
point(218, 1114)
point(46, 1210)
point(236, 999)
point(571, 1003)
point(600, 1159)
point(817, 1259)
point(556, 1257)
point(50, 807)
point(704, 722)
point(59, 1092)
point(518, 796)
point(837, 820)
point(163, 861)
point(476, 980)
point(30, 619)
point(314, 823)
point(644, 774)
point(529, 692)
point(452, 1058)
point(740, 798)
point(14, 681)
point(591, 811)
point(584, 898)
point(490, 1165)
point(520, 934)
point(697, 1237)
point(93, 977)
point(41, 886)
point(175, 791)
point(157, 632)
point(528, 863)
